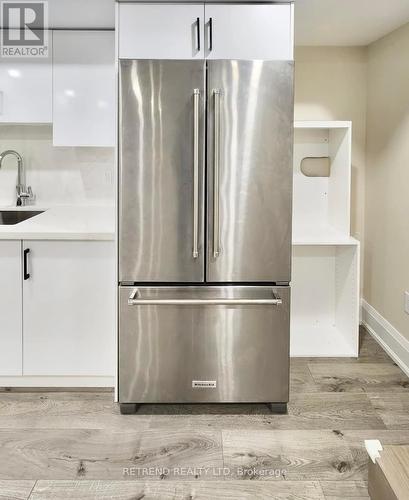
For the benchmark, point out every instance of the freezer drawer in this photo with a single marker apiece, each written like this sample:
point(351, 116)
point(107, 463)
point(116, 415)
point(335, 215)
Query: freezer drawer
point(204, 344)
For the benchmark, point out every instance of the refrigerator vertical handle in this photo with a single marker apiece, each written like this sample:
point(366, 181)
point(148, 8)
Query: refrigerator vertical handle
point(216, 174)
point(196, 101)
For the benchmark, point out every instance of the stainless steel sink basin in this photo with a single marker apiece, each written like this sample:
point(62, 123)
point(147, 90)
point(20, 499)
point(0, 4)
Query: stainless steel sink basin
point(11, 217)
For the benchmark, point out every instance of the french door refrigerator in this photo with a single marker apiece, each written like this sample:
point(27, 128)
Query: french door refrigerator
point(205, 195)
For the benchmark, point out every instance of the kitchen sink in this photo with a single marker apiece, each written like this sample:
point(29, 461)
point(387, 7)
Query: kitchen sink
point(11, 217)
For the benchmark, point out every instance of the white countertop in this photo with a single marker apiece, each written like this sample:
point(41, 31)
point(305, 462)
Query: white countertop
point(63, 223)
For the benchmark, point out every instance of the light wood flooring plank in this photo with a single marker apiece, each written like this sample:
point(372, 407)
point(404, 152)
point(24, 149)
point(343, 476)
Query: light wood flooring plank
point(305, 411)
point(370, 350)
point(172, 490)
point(393, 408)
point(82, 410)
point(363, 377)
point(174, 450)
point(330, 411)
point(345, 490)
point(214, 422)
point(301, 380)
point(296, 454)
point(103, 454)
point(15, 490)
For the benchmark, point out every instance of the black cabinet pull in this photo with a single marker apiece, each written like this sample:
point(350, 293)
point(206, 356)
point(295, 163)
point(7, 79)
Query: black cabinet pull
point(198, 33)
point(26, 274)
point(210, 33)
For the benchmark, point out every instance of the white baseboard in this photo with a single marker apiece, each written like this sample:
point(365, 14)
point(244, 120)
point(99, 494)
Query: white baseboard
point(25, 381)
point(390, 339)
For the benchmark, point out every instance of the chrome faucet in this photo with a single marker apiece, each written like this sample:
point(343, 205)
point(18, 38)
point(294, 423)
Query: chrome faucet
point(24, 193)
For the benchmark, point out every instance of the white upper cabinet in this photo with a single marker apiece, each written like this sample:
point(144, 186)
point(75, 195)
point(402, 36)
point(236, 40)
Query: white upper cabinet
point(11, 308)
point(26, 89)
point(213, 31)
point(158, 31)
point(84, 88)
point(235, 31)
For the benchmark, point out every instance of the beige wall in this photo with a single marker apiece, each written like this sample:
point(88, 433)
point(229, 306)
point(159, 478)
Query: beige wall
point(330, 84)
point(386, 259)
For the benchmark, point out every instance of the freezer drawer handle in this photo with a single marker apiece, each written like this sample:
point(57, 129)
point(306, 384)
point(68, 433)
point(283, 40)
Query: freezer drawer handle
point(136, 300)
point(216, 174)
point(196, 100)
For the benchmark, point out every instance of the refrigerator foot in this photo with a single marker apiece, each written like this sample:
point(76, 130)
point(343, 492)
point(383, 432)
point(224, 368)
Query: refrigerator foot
point(128, 408)
point(280, 408)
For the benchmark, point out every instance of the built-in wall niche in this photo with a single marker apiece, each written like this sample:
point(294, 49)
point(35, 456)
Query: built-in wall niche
point(322, 181)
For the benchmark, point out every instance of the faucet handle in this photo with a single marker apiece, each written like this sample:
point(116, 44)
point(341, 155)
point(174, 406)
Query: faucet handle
point(30, 195)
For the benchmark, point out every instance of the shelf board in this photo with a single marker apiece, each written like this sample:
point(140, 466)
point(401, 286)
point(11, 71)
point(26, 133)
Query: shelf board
point(327, 124)
point(321, 235)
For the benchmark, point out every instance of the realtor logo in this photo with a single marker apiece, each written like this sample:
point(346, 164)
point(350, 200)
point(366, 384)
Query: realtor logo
point(24, 32)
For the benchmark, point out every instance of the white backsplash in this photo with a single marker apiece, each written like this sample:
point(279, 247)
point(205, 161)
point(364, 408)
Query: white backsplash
point(57, 175)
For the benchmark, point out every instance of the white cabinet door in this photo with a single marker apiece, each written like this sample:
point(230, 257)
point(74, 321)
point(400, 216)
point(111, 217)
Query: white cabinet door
point(69, 308)
point(84, 88)
point(158, 31)
point(10, 308)
point(249, 31)
point(26, 89)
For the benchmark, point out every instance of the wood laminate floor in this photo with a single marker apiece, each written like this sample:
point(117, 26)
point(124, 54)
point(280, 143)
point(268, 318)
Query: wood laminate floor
point(76, 445)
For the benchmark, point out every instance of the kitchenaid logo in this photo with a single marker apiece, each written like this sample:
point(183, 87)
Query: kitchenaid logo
point(204, 383)
point(24, 32)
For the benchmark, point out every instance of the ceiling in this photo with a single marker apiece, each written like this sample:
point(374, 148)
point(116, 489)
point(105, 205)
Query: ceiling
point(347, 22)
point(317, 22)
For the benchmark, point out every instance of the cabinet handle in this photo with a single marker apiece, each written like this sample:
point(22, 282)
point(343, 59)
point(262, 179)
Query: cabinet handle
point(198, 33)
point(210, 33)
point(25, 264)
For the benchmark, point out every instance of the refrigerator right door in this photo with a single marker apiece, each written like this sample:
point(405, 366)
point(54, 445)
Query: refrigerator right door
point(249, 158)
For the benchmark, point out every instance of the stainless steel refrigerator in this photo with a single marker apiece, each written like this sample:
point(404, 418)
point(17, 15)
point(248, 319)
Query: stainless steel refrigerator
point(205, 196)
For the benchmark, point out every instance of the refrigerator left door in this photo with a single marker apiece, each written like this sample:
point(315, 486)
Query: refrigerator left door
point(161, 171)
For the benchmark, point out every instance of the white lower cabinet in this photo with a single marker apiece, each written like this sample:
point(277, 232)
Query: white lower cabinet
point(10, 309)
point(69, 308)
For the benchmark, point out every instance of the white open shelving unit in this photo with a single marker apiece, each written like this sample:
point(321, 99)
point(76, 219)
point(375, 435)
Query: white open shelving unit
point(325, 274)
